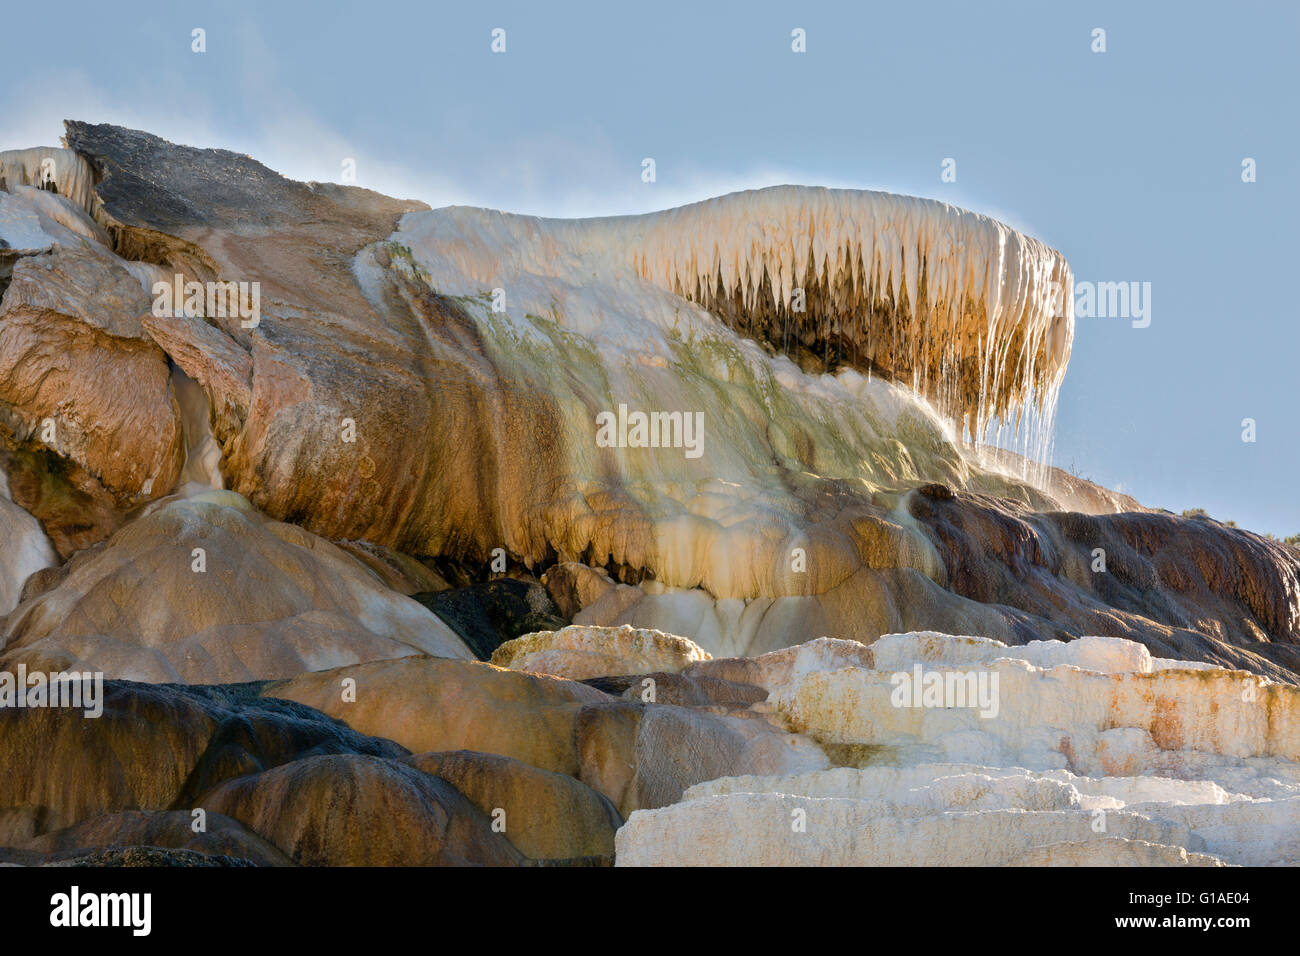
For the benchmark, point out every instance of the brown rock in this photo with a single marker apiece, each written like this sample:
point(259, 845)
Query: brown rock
point(460, 450)
point(212, 358)
point(697, 690)
point(73, 353)
point(645, 756)
point(271, 601)
point(352, 810)
point(398, 571)
point(547, 816)
point(168, 829)
point(151, 748)
point(73, 508)
point(429, 704)
point(574, 586)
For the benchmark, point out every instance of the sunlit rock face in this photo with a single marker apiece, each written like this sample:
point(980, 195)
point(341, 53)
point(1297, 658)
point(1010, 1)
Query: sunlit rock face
point(637, 753)
point(1187, 589)
point(79, 374)
point(251, 498)
point(470, 410)
point(787, 458)
point(1090, 752)
point(1095, 705)
point(1083, 752)
point(546, 815)
point(81, 377)
point(442, 383)
point(970, 313)
point(89, 421)
point(579, 652)
point(206, 590)
point(430, 705)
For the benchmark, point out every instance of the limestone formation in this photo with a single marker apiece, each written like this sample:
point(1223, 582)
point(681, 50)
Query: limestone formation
point(432, 705)
point(1092, 753)
point(82, 378)
point(544, 815)
point(1082, 710)
point(748, 502)
point(636, 754)
point(351, 809)
point(62, 172)
point(579, 652)
point(823, 501)
point(206, 590)
point(152, 748)
point(909, 286)
point(755, 829)
point(1187, 589)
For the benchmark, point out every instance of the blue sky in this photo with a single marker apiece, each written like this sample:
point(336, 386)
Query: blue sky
point(1129, 162)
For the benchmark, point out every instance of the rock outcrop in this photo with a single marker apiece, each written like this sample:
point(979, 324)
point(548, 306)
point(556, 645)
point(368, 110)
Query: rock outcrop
point(644, 756)
point(81, 375)
point(962, 751)
point(545, 815)
point(489, 613)
point(26, 549)
point(153, 748)
point(813, 502)
point(1048, 754)
point(207, 590)
point(716, 490)
point(358, 810)
point(432, 705)
point(579, 652)
point(219, 774)
point(86, 396)
point(59, 172)
point(635, 753)
point(1187, 588)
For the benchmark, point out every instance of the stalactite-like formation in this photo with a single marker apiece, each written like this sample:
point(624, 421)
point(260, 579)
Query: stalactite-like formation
point(47, 167)
point(969, 312)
